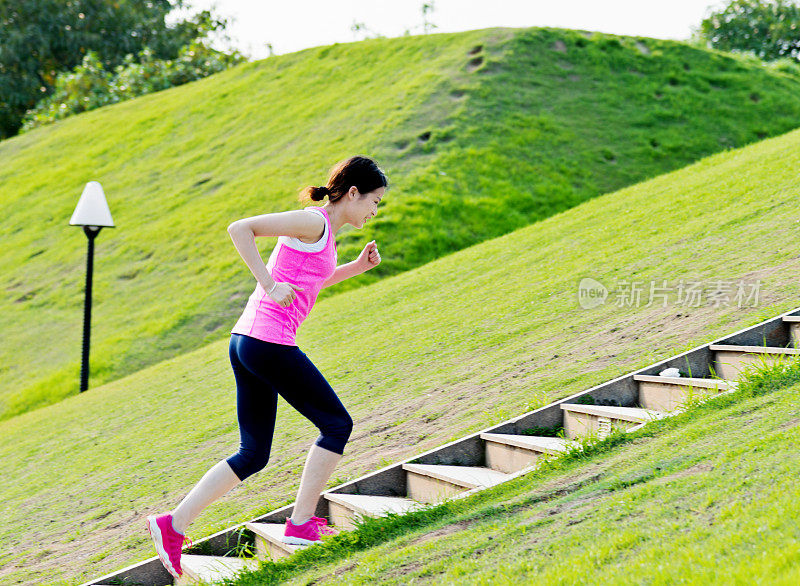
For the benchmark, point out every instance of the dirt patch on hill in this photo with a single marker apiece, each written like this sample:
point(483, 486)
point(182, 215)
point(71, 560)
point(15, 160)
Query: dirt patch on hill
point(335, 574)
point(692, 470)
point(442, 531)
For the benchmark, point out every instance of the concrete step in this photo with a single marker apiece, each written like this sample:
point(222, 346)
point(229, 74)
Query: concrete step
point(730, 360)
point(346, 508)
point(509, 452)
point(430, 483)
point(581, 420)
point(794, 328)
point(668, 393)
point(268, 541)
point(208, 568)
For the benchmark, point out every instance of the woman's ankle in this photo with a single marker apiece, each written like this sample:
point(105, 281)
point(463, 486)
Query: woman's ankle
point(177, 526)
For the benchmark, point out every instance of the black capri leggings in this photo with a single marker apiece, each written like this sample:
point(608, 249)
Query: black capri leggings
point(264, 369)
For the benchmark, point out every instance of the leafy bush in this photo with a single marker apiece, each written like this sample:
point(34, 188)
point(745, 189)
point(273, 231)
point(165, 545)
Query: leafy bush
point(89, 85)
point(770, 29)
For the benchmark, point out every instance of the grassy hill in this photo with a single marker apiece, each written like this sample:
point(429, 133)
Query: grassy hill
point(418, 358)
point(480, 132)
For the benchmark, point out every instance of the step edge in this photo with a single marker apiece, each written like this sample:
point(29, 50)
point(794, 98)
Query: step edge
point(192, 572)
point(598, 411)
point(358, 508)
point(505, 439)
point(689, 381)
point(271, 538)
point(447, 478)
point(754, 349)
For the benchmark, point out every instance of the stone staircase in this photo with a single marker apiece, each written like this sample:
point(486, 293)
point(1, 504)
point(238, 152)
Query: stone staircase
point(502, 452)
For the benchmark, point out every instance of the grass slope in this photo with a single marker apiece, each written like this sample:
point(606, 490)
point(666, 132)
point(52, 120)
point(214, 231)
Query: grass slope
point(480, 132)
point(418, 359)
point(709, 497)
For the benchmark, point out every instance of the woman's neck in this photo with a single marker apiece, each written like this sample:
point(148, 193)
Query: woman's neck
point(334, 215)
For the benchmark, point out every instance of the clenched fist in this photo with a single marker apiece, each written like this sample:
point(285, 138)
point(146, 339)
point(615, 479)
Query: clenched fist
point(284, 293)
point(369, 257)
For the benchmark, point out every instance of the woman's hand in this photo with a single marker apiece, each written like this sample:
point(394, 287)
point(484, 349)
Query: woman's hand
point(369, 257)
point(284, 293)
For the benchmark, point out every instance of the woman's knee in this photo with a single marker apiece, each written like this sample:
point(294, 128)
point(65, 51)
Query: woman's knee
point(344, 425)
point(247, 463)
point(337, 431)
point(349, 425)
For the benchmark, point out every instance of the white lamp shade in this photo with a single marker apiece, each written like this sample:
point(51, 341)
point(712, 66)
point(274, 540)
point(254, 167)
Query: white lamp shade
point(92, 209)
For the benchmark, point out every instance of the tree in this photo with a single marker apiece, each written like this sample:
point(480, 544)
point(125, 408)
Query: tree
point(91, 86)
point(427, 9)
point(427, 26)
point(769, 29)
point(360, 27)
point(41, 38)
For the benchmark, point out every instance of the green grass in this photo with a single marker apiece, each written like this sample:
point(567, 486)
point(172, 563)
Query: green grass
point(419, 359)
point(708, 496)
point(472, 151)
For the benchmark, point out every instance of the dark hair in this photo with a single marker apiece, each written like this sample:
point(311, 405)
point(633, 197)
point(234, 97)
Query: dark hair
point(360, 171)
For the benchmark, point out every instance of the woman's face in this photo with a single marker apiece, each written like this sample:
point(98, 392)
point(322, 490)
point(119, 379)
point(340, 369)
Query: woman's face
point(365, 208)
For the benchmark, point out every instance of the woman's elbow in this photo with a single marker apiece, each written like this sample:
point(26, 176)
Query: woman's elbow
point(237, 226)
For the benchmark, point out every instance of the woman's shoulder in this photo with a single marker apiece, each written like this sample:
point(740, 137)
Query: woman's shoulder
point(317, 244)
point(315, 209)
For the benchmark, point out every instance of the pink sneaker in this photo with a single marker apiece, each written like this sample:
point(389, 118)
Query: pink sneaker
point(323, 528)
point(308, 533)
point(168, 542)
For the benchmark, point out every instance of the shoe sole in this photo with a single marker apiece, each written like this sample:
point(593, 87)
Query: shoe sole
point(155, 535)
point(299, 541)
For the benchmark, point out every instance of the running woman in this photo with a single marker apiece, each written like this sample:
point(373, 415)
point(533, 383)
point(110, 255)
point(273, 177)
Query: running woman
point(266, 361)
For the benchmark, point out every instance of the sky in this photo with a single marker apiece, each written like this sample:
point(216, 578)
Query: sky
point(297, 24)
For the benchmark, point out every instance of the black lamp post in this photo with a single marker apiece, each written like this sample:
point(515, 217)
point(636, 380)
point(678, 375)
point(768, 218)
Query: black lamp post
point(93, 214)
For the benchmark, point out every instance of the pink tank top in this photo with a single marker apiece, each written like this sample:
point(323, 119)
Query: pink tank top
point(264, 319)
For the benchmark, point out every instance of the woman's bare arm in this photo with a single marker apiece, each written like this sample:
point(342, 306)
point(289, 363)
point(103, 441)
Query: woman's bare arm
point(294, 223)
point(342, 272)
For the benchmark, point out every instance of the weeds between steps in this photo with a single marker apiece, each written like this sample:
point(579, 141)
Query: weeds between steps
point(755, 380)
point(239, 543)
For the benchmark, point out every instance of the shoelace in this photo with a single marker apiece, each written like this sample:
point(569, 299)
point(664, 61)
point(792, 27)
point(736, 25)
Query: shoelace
point(321, 523)
point(180, 550)
point(186, 538)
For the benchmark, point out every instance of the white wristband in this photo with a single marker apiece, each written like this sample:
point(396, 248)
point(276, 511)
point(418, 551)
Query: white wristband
point(273, 286)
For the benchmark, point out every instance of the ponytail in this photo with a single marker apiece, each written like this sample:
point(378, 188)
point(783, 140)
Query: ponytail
point(360, 171)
